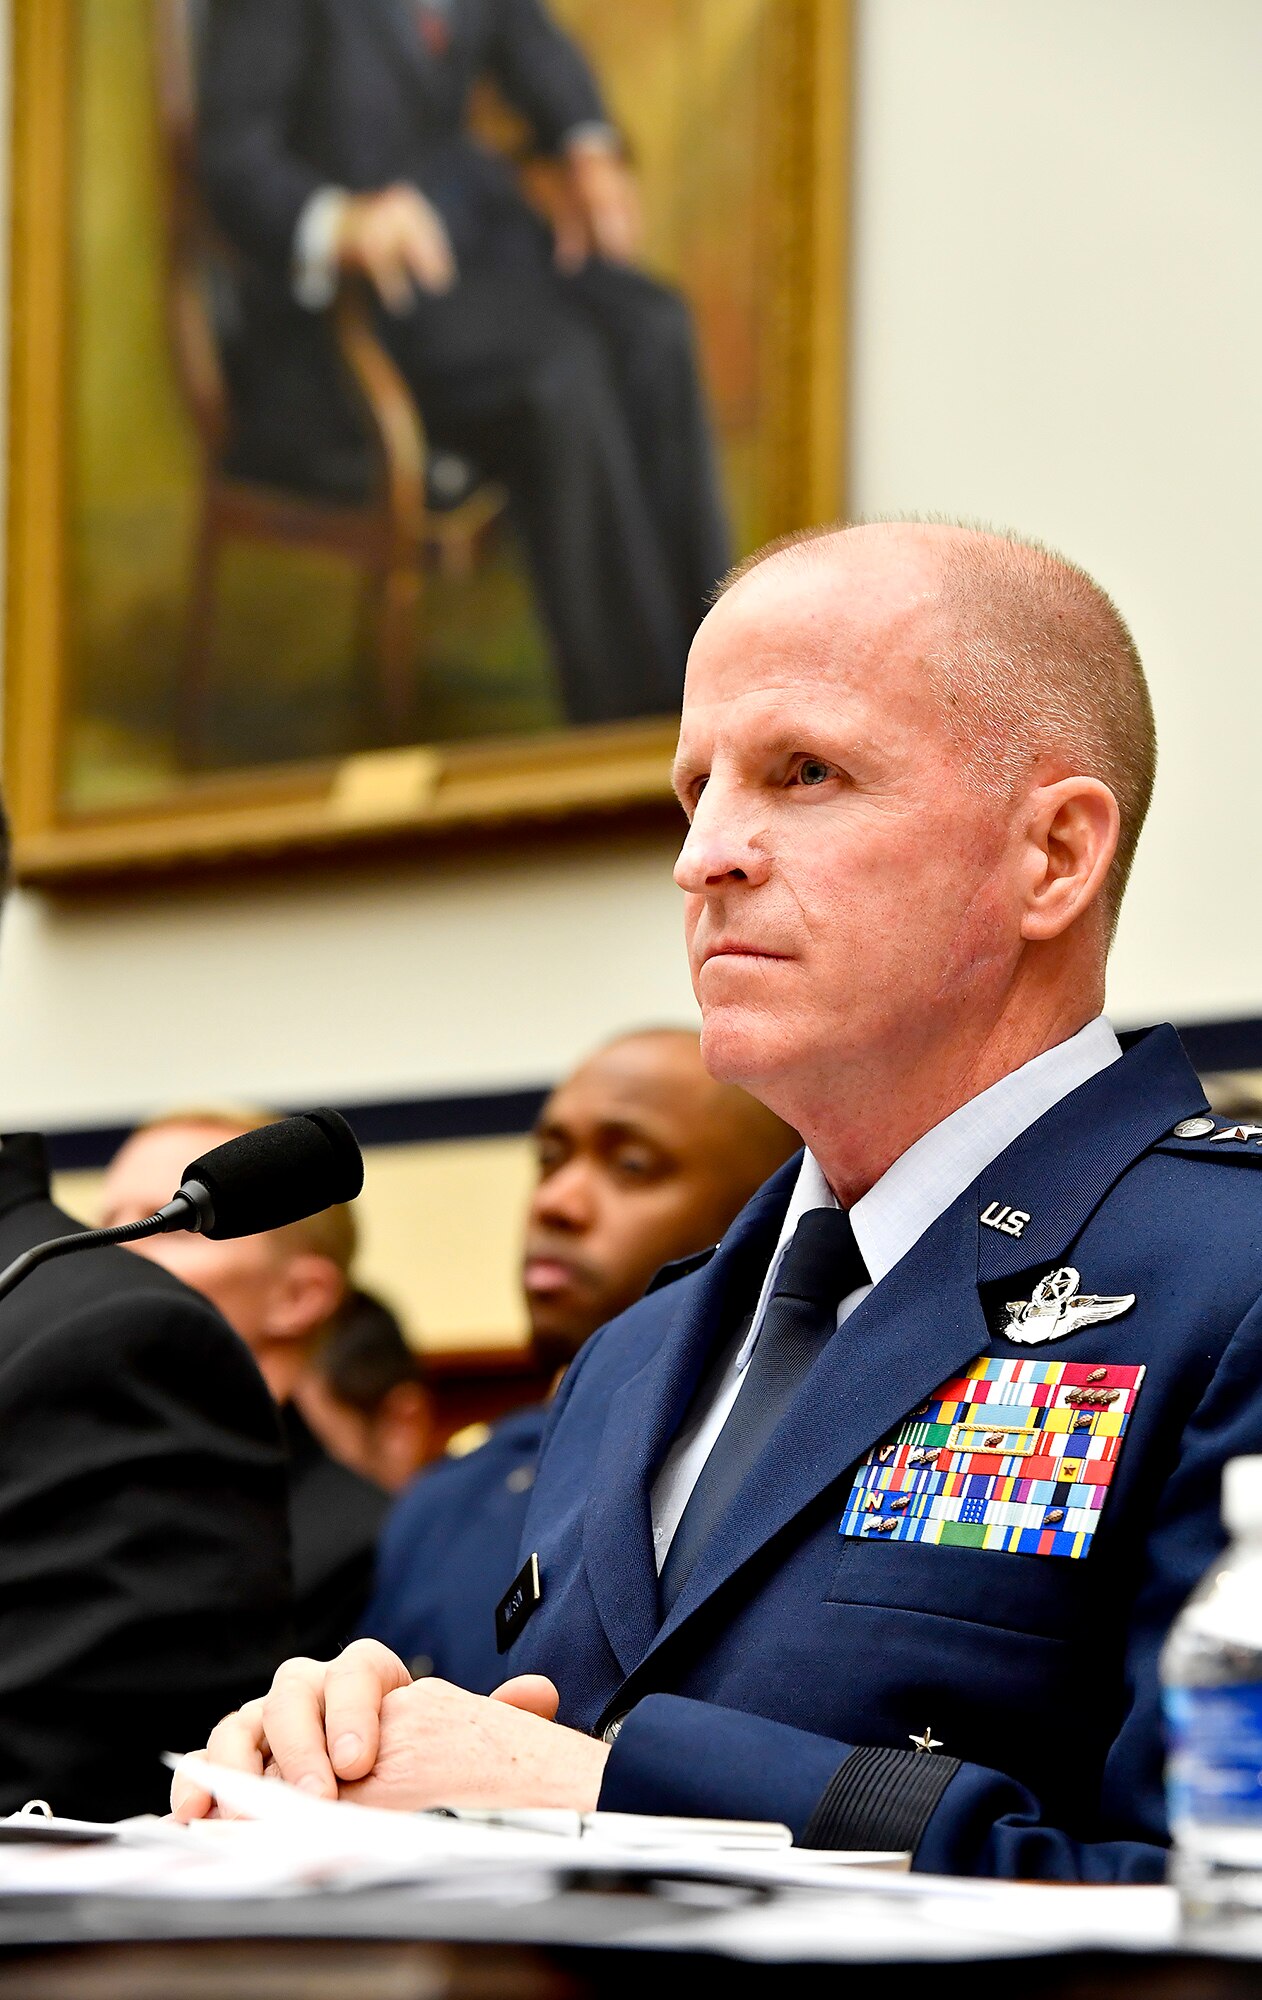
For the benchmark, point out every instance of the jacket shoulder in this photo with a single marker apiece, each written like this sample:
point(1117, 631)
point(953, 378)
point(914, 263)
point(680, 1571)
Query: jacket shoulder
point(506, 1441)
point(1230, 1142)
point(106, 1316)
point(447, 1492)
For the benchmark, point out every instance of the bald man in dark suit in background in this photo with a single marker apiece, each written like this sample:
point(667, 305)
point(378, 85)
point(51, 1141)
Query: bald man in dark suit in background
point(334, 140)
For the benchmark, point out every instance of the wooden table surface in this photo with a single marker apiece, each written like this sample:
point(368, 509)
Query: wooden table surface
point(337, 1969)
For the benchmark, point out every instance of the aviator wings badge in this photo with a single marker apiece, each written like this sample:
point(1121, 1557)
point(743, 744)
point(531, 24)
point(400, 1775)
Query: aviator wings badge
point(1056, 1308)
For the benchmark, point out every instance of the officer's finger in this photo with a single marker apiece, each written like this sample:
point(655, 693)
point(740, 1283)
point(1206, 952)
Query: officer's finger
point(293, 1727)
point(533, 1692)
point(236, 1742)
point(355, 1686)
point(189, 1801)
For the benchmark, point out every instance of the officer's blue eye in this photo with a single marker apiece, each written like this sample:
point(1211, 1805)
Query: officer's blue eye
point(813, 771)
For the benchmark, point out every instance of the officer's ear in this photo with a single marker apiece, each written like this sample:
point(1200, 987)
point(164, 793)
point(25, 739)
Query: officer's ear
point(1070, 840)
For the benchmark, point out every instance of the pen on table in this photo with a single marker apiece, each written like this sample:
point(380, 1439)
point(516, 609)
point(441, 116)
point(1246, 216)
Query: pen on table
point(630, 1829)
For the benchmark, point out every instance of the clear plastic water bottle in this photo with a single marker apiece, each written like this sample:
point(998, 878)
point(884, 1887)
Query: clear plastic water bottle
point(1211, 1672)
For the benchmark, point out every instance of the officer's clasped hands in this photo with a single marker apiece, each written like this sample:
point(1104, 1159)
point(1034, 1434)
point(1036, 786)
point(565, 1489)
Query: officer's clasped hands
point(358, 1728)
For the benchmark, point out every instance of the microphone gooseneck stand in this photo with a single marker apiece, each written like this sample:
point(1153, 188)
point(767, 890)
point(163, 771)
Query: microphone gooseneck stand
point(183, 1211)
point(263, 1179)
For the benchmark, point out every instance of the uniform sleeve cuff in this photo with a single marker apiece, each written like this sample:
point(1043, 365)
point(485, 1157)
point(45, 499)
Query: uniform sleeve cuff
point(880, 1800)
point(676, 1756)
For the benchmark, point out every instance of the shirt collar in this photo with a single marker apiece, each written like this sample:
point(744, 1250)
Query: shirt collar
point(924, 1181)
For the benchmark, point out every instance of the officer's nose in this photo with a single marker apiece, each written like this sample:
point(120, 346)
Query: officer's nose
point(723, 844)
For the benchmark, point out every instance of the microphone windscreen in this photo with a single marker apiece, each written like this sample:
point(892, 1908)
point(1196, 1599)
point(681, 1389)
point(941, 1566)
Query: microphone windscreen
point(279, 1174)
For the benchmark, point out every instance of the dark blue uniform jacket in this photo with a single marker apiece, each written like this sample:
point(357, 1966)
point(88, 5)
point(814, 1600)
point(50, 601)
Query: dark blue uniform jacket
point(798, 1661)
point(448, 1553)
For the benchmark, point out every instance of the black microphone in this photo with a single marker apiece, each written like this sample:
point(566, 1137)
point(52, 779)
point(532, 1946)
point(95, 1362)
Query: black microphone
point(262, 1180)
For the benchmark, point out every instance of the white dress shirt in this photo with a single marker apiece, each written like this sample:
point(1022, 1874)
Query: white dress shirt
point(887, 1221)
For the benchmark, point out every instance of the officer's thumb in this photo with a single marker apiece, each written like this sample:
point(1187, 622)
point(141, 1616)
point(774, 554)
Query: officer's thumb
point(533, 1692)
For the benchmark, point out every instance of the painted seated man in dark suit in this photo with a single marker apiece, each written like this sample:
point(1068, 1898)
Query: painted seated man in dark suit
point(876, 1523)
point(643, 1158)
point(277, 1290)
point(333, 139)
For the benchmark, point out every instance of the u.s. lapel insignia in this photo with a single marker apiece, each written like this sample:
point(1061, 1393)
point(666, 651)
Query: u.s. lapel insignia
point(1056, 1309)
point(1008, 1221)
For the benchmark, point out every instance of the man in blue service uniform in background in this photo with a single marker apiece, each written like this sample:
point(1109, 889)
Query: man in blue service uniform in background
point(875, 1523)
point(641, 1157)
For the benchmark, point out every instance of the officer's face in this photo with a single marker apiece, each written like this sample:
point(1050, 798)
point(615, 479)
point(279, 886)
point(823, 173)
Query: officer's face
point(642, 1158)
point(849, 895)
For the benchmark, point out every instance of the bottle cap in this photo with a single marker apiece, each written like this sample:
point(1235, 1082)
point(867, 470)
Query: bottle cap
point(1242, 1496)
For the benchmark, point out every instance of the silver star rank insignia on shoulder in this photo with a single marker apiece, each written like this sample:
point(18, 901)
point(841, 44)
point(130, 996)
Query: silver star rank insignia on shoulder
point(1056, 1309)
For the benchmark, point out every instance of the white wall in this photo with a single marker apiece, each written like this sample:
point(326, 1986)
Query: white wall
point(442, 976)
point(1057, 307)
point(1059, 320)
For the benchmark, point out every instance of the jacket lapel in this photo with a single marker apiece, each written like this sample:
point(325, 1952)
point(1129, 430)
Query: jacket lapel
point(647, 1412)
point(922, 1323)
point(925, 1320)
point(1067, 1162)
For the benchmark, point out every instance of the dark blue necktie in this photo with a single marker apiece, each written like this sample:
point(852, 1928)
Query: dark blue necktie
point(821, 1265)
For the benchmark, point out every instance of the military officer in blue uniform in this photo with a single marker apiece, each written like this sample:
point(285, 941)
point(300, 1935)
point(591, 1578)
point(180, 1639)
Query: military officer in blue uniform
point(875, 1522)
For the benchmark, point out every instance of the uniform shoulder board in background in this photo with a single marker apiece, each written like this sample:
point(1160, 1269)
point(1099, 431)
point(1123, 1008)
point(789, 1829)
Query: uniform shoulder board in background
point(1206, 1137)
point(471, 1437)
point(683, 1267)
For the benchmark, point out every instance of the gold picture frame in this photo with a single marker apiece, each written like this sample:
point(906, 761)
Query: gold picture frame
point(393, 796)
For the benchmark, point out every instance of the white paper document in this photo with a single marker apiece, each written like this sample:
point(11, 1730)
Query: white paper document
point(718, 1886)
point(344, 1842)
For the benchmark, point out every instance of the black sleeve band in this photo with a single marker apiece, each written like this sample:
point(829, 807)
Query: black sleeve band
point(880, 1799)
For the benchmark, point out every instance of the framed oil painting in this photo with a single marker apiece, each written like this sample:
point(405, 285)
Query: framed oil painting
point(392, 381)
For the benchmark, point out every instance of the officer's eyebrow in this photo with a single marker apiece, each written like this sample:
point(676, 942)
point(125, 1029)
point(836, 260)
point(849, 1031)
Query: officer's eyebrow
point(808, 731)
point(684, 772)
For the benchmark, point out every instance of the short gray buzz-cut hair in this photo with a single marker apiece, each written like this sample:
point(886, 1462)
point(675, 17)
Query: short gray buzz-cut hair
point(1035, 660)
